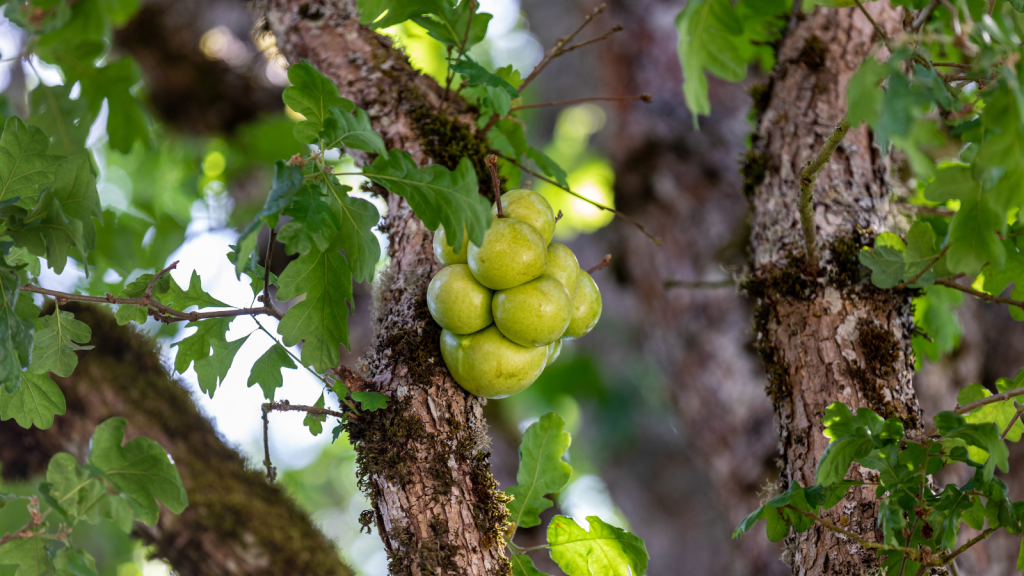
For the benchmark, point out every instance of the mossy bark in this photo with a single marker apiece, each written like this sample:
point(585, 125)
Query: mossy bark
point(423, 461)
point(823, 335)
point(236, 523)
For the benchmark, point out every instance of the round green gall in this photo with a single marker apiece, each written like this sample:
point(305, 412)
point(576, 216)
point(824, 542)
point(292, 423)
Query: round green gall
point(445, 253)
point(533, 314)
point(530, 207)
point(586, 307)
point(489, 365)
point(458, 302)
point(554, 349)
point(562, 264)
point(512, 253)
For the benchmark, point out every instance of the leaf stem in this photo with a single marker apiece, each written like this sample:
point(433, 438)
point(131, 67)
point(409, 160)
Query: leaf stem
point(148, 296)
point(867, 544)
point(1016, 416)
point(947, 558)
point(926, 268)
point(950, 282)
point(808, 176)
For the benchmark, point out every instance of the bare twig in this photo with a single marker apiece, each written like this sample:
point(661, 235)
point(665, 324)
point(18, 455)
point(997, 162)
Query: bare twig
point(1016, 416)
point(947, 558)
point(268, 301)
point(951, 65)
point(601, 265)
point(698, 285)
point(950, 282)
point(27, 531)
point(555, 50)
point(581, 197)
point(642, 98)
point(492, 165)
point(1002, 396)
point(605, 36)
point(923, 15)
point(558, 217)
point(878, 29)
point(991, 6)
point(271, 471)
point(808, 176)
point(908, 208)
point(914, 280)
point(148, 296)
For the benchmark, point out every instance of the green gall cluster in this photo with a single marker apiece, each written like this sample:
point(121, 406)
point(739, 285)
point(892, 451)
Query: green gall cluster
point(507, 304)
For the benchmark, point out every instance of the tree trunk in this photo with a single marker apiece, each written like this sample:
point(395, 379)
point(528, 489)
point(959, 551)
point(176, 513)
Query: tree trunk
point(422, 461)
point(236, 523)
point(823, 336)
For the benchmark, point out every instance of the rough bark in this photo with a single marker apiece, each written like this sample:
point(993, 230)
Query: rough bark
point(236, 522)
point(423, 461)
point(823, 336)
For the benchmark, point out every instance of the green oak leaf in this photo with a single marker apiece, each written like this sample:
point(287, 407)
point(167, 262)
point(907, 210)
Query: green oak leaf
point(15, 332)
point(886, 260)
point(197, 346)
point(267, 370)
point(315, 422)
point(180, 299)
point(541, 470)
point(25, 165)
point(314, 225)
point(509, 138)
point(477, 75)
point(66, 121)
point(437, 195)
point(547, 166)
point(29, 555)
point(287, 181)
point(57, 338)
point(984, 443)
point(244, 254)
point(34, 403)
point(384, 13)
point(126, 121)
point(709, 32)
point(952, 182)
point(351, 129)
point(74, 187)
point(311, 94)
point(604, 550)
point(47, 231)
point(214, 368)
point(321, 319)
point(996, 280)
point(70, 488)
point(74, 562)
point(522, 565)
point(357, 218)
point(140, 470)
point(838, 456)
point(370, 401)
point(974, 235)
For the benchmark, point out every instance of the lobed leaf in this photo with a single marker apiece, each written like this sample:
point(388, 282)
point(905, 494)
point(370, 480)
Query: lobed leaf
point(542, 470)
point(312, 94)
point(267, 370)
point(214, 368)
point(34, 403)
point(604, 550)
point(58, 337)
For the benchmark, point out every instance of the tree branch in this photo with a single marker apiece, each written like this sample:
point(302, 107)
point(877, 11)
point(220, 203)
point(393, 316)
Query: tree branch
point(1016, 416)
point(584, 198)
point(947, 558)
point(148, 296)
point(604, 263)
point(914, 280)
point(643, 98)
point(808, 176)
point(285, 406)
point(163, 313)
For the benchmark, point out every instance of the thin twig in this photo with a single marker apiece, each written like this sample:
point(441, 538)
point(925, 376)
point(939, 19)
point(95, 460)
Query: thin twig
point(867, 544)
point(643, 98)
point(1002, 396)
point(808, 176)
point(559, 44)
point(163, 313)
point(581, 197)
point(923, 16)
point(878, 29)
point(951, 65)
point(492, 164)
point(268, 301)
point(271, 471)
point(148, 296)
point(947, 558)
point(26, 530)
point(908, 208)
point(604, 263)
point(699, 285)
point(914, 280)
point(1016, 416)
point(951, 283)
point(558, 216)
point(605, 36)
point(991, 6)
